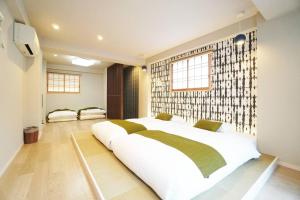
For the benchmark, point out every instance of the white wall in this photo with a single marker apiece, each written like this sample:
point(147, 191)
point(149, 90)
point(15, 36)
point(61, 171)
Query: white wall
point(33, 91)
point(11, 88)
point(20, 87)
point(92, 92)
point(279, 88)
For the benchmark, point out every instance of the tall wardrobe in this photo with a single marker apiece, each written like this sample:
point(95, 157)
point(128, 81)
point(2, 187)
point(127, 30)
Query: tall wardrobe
point(122, 91)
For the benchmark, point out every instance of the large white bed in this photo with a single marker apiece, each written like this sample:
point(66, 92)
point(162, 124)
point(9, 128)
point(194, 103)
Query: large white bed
point(168, 171)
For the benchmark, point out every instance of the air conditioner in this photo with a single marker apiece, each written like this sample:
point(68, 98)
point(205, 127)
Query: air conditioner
point(26, 39)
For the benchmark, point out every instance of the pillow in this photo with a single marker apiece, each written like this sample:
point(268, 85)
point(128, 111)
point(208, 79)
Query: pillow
point(179, 119)
point(226, 128)
point(208, 125)
point(164, 116)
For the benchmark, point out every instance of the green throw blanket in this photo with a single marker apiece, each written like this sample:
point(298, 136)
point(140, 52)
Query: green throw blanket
point(130, 127)
point(207, 159)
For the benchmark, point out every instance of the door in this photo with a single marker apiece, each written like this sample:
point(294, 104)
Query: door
point(115, 92)
point(131, 92)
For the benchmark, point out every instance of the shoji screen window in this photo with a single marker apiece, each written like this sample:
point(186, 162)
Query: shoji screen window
point(56, 82)
point(72, 83)
point(192, 73)
point(179, 75)
point(63, 83)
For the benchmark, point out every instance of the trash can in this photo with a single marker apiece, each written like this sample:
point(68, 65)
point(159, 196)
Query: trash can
point(31, 134)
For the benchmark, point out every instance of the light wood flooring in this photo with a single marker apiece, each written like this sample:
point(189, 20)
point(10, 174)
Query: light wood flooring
point(50, 169)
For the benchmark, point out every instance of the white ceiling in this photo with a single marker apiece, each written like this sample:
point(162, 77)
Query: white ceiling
point(274, 8)
point(132, 29)
point(61, 59)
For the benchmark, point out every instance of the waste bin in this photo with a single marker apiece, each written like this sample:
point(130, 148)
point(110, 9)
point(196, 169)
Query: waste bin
point(31, 134)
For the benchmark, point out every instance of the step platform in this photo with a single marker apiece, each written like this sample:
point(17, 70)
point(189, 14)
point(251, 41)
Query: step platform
point(111, 180)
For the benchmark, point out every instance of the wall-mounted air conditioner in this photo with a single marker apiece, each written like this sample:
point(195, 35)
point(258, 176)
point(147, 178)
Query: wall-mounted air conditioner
point(26, 39)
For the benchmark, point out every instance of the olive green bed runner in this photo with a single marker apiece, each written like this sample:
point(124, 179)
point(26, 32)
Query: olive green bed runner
point(130, 127)
point(207, 159)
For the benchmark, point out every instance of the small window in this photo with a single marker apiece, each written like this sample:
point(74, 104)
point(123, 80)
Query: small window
point(63, 83)
point(192, 73)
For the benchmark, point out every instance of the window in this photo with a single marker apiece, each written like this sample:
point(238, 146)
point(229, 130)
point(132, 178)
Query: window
point(63, 83)
point(191, 73)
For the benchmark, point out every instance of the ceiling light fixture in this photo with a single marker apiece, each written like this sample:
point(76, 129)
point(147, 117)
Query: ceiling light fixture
point(240, 39)
point(83, 62)
point(99, 37)
point(55, 55)
point(55, 27)
point(144, 68)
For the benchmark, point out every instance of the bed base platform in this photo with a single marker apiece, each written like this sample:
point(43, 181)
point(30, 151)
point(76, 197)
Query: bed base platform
point(111, 180)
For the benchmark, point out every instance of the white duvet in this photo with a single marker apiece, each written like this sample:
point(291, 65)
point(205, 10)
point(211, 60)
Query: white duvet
point(107, 131)
point(65, 115)
point(172, 174)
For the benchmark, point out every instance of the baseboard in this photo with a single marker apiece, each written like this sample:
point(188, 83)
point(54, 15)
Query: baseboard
point(10, 160)
point(255, 188)
point(288, 165)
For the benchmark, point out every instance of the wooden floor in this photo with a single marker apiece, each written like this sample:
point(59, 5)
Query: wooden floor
point(50, 169)
point(283, 185)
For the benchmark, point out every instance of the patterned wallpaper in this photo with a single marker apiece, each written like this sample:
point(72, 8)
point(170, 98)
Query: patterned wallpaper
point(233, 95)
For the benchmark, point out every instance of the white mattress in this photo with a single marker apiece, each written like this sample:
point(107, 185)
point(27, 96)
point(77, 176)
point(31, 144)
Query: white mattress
point(63, 119)
point(106, 131)
point(172, 174)
point(168, 171)
point(65, 115)
point(95, 111)
point(93, 116)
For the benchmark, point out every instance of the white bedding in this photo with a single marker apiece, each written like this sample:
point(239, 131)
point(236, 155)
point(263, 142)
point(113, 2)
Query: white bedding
point(63, 119)
point(106, 131)
point(92, 116)
point(94, 111)
point(65, 115)
point(171, 173)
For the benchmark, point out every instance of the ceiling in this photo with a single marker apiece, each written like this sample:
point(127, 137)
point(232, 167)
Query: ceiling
point(132, 29)
point(274, 8)
point(60, 59)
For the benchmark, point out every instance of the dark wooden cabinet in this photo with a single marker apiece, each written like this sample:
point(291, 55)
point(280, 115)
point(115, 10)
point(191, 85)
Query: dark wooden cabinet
point(115, 92)
point(122, 91)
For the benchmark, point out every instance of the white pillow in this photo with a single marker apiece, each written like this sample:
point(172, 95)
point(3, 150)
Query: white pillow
point(226, 128)
point(179, 119)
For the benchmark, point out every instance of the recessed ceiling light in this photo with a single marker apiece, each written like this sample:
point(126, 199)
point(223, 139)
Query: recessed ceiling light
point(55, 55)
point(83, 62)
point(99, 37)
point(55, 26)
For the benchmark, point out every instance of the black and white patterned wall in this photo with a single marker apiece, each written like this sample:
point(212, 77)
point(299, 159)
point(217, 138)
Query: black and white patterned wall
point(233, 95)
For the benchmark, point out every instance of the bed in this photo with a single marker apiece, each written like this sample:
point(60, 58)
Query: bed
point(91, 113)
point(106, 131)
point(61, 115)
point(168, 171)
